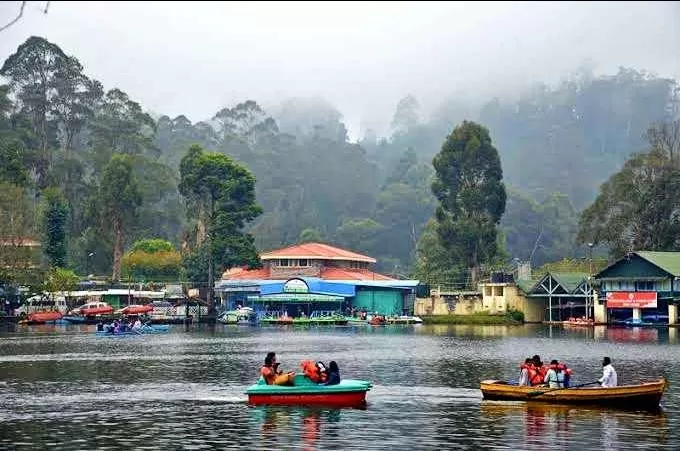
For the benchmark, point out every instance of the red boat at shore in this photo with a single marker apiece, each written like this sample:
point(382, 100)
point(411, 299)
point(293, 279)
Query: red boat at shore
point(136, 309)
point(41, 317)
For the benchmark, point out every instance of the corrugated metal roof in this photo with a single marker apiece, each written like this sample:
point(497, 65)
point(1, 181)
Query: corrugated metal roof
point(668, 261)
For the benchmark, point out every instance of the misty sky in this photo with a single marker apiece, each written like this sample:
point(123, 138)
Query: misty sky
point(194, 58)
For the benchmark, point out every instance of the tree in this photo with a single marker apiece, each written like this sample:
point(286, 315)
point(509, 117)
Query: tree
point(120, 198)
point(637, 208)
point(468, 185)
point(154, 259)
point(220, 194)
point(17, 254)
point(60, 280)
point(406, 116)
point(54, 224)
point(32, 72)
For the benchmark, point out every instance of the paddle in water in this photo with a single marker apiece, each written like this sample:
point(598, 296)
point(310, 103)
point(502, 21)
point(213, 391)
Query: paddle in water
point(532, 394)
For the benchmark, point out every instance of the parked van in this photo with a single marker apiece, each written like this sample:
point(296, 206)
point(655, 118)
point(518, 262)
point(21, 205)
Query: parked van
point(41, 303)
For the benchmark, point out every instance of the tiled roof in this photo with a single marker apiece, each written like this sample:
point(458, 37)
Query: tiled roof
point(348, 274)
point(246, 274)
point(316, 251)
point(668, 261)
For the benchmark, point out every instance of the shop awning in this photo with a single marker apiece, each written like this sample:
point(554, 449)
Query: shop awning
point(296, 297)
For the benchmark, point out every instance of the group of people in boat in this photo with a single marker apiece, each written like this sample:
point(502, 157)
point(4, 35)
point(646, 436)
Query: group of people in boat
point(317, 372)
point(117, 327)
point(533, 373)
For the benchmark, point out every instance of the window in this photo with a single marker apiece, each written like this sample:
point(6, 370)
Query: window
point(644, 285)
point(283, 262)
point(303, 262)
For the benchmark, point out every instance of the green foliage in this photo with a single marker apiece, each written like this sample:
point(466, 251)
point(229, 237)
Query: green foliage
point(120, 198)
point(221, 194)
point(582, 265)
point(17, 257)
point(13, 156)
point(515, 315)
point(539, 232)
point(159, 264)
point(471, 195)
point(637, 207)
point(54, 224)
point(310, 236)
point(60, 279)
point(434, 264)
point(152, 246)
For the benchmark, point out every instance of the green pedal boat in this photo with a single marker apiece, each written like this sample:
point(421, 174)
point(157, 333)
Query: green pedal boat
point(348, 393)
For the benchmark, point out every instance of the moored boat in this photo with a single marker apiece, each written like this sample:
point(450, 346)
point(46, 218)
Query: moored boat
point(135, 309)
point(643, 396)
point(42, 318)
point(348, 393)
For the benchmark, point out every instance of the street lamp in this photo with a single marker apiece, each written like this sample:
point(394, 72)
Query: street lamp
point(87, 264)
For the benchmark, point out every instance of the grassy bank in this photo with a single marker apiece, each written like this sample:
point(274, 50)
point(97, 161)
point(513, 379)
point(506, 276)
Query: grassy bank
point(471, 319)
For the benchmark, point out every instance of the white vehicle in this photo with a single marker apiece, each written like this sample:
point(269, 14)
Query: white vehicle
point(41, 303)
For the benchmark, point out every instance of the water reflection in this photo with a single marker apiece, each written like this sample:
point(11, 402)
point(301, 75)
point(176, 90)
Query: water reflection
point(548, 425)
point(275, 424)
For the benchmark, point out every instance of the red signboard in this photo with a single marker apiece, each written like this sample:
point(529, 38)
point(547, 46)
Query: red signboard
point(631, 299)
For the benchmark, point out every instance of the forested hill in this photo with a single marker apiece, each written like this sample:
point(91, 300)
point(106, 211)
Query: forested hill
point(58, 127)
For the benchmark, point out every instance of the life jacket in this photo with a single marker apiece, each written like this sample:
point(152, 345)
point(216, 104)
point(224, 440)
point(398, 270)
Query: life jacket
point(268, 374)
point(312, 370)
point(537, 374)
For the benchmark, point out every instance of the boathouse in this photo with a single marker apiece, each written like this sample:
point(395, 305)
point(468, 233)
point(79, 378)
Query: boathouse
point(640, 283)
point(309, 277)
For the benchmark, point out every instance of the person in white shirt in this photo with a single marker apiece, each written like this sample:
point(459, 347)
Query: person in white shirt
point(137, 325)
point(608, 378)
point(555, 376)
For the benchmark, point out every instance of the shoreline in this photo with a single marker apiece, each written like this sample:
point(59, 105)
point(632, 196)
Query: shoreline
point(487, 320)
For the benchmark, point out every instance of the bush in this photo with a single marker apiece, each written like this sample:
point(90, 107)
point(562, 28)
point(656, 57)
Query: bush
point(515, 315)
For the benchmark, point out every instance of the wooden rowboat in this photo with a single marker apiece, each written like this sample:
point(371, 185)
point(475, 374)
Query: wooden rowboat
point(644, 396)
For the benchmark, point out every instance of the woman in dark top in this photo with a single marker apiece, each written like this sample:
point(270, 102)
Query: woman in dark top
point(333, 374)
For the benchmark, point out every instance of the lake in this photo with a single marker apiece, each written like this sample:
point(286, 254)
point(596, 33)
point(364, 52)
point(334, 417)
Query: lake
point(64, 388)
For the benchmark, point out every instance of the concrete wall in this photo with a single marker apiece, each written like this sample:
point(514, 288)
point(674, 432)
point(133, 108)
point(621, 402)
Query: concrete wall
point(498, 298)
point(288, 272)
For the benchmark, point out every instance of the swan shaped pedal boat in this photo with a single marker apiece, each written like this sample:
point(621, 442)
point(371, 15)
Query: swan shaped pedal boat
point(348, 393)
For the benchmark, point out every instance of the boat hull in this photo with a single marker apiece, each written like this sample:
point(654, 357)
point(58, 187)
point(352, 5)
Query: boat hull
point(348, 393)
point(643, 396)
point(351, 399)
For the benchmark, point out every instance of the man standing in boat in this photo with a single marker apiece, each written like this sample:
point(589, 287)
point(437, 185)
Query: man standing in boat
point(609, 378)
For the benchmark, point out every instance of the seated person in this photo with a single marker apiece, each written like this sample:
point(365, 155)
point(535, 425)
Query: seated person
point(333, 374)
point(137, 325)
point(100, 327)
point(272, 374)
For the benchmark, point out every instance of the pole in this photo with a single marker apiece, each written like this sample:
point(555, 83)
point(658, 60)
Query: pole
point(211, 306)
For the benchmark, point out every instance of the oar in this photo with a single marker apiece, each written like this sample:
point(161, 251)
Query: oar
point(532, 394)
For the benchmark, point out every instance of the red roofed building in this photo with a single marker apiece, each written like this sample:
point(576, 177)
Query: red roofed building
point(310, 260)
point(312, 277)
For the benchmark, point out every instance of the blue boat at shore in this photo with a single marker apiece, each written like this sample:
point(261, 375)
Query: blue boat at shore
point(144, 330)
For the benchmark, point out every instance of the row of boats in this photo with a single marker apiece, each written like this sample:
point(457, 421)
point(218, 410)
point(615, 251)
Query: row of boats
point(247, 316)
point(352, 393)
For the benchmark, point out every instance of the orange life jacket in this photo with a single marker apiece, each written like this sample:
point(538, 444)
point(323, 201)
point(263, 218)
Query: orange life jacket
point(537, 374)
point(312, 371)
point(268, 374)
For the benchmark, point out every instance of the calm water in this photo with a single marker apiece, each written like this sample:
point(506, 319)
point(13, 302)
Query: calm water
point(63, 388)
